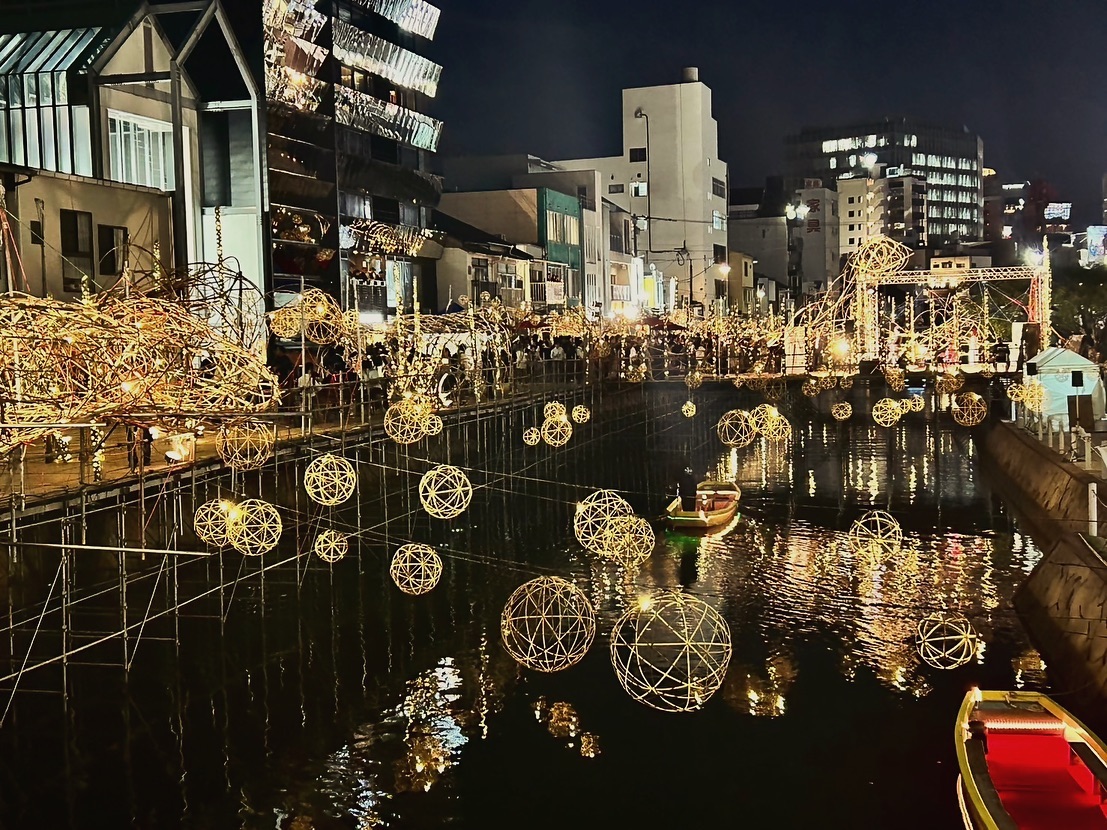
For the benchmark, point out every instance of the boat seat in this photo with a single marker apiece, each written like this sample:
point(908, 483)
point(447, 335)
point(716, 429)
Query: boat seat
point(1088, 770)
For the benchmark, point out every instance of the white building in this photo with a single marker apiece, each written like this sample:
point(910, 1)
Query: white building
point(815, 239)
point(670, 175)
point(875, 206)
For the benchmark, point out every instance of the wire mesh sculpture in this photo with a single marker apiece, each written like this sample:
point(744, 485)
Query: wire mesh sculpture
point(445, 491)
point(415, 568)
point(593, 514)
point(330, 480)
point(948, 382)
point(254, 527)
point(736, 428)
point(969, 409)
point(532, 437)
point(331, 546)
point(761, 415)
point(405, 423)
point(548, 624)
point(671, 651)
point(915, 403)
point(946, 642)
point(434, 425)
point(688, 410)
point(581, 414)
point(557, 431)
point(627, 540)
point(245, 444)
point(211, 522)
point(1034, 396)
point(876, 536)
point(887, 412)
point(553, 410)
point(693, 380)
point(841, 411)
point(896, 379)
point(777, 429)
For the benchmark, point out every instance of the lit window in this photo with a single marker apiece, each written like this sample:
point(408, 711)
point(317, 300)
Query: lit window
point(639, 189)
point(141, 151)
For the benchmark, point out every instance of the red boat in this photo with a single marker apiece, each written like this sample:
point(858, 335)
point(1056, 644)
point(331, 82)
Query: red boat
point(1028, 764)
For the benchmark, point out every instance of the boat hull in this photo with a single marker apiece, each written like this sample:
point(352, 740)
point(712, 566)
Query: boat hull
point(722, 500)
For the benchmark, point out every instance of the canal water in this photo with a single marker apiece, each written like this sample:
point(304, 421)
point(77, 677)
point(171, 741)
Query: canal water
point(322, 697)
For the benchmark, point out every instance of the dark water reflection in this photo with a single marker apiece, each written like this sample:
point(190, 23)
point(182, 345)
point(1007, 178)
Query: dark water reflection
point(331, 700)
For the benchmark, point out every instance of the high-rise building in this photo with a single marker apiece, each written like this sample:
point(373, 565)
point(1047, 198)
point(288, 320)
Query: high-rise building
point(949, 160)
point(670, 178)
point(879, 206)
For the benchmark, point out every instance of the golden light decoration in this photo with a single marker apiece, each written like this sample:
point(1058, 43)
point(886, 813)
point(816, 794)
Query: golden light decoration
point(415, 568)
point(896, 379)
point(627, 540)
point(776, 428)
point(1015, 392)
point(589, 744)
point(887, 412)
point(811, 388)
point(211, 522)
point(548, 624)
point(330, 480)
point(557, 431)
point(948, 382)
point(405, 423)
point(532, 436)
point(671, 651)
point(841, 411)
point(915, 403)
point(254, 527)
point(946, 642)
point(969, 409)
point(845, 382)
point(688, 410)
point(694, 379)
point(879, 255)
point(636, 373)
point(775, 390)
point(445, 491)
point(285, 322)
point(736, 428)
point(738, 382)
point(593, 514)
point(761, 414)
point(245, 444)
point(554, 409)
point(876, 535)
point(331, 546)
point(1034, 396)
point(434, 424)
point(582, 414)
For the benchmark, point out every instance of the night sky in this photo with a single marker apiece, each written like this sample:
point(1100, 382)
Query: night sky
point(545, 77)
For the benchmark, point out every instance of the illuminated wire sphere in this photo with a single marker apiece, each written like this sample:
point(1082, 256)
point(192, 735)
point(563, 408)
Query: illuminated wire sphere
point(777, 429)
point(554, 409)
point(887, 412)
point(415, 568)
point(841, 411)
point(628, 540)
point(761, 415)
point(896, 379)
point(445, 491)
point(1015, 392)
point(736, 428)
point(211, 522)
point(532, 437)
point(825, 382)
point(557, 431)
point(946, 642)
point(330, 480)
point(636, 373)
point(694, 379)
point(876, 535)
point(756, 383)
point(916, 403)
point(405, 423)
point(254, 527)
point(738, 382)
point(811, 388)
point(688, 410)
point(969, 409)
point(775, 389)
point(593, 514)
point(245, 444)
point(434, 424)
point(548, 624)
point(286, 322)
point(948, 382)
point(330, 545)
point(845, 382)
point(671, 651)
point(1034, 396)
point(582, 414)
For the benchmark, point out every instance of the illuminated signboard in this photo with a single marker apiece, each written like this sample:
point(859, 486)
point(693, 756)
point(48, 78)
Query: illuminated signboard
point(1058, 210)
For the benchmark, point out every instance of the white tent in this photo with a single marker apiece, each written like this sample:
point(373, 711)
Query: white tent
point(1055, 367)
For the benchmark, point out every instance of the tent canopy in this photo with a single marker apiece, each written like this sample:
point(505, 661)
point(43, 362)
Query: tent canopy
point(1055, 360)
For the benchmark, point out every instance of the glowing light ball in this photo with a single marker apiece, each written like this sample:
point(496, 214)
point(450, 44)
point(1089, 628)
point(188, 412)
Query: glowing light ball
point(531, 436)
point(548, 624)
point(445, 491)
point(592, 516)
point(552, 410)
point(582, 414)
point(245, 444)
point(841, 411)
point(946, 642)
point(331, 546)
point(688, 410)
point(887, 412)
point(330, 480)
point(694, 379)
point(211, 523)
point(736, 428)
point(969, 409)
point(671, 651)
point(254, 527)
point(434, 424)
point(628, 540)
point(876, 535)
point(415, 568)
point(557, 431)
point(404, 423)
point(948, 382)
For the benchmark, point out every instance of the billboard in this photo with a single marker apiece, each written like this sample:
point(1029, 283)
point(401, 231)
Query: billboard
point(1058, 210)
point(1097, 243)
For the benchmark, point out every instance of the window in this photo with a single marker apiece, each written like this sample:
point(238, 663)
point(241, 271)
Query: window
point(718, 188)
point(140, 151)
point(718, 221)
point(719, 252)
point(76, 248)
point(852, 241)
point(111, 242)
point(639, 189)
point(637, 154)
point(851, 213)
point(851, 200)
point(615, 188)
point(851, 227)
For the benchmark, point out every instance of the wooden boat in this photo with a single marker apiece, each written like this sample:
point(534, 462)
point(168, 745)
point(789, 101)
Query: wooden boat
point(716, 503)
point(1028, 764)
